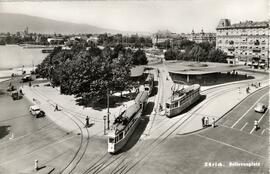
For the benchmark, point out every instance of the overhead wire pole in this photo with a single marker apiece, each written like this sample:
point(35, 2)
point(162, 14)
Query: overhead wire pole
point(108, 110)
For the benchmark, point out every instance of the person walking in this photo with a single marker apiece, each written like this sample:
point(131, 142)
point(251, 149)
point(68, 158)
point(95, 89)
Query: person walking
point(203, 119)
point(256, 126)
point(213, 123)
point(206, 121)
point(56, 108)
point(87, 121)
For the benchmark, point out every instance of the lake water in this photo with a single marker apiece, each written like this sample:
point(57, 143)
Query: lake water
point(14, 56)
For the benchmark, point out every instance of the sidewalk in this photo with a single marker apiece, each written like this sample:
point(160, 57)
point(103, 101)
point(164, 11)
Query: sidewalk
point(71, 117)
point(216, 109)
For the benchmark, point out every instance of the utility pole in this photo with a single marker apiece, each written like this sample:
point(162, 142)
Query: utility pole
point(104, 118)
point(108, 109)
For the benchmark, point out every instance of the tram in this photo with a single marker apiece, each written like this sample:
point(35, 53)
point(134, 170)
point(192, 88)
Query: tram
point(181, 99)
point(149, 83)
point(125, 124)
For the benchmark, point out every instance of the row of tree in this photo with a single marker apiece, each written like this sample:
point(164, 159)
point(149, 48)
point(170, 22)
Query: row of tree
point(131, 41)
point(191, 51)
point(91, 73)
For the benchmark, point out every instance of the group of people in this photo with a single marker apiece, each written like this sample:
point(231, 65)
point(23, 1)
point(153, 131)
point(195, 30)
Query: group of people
point(206, 123)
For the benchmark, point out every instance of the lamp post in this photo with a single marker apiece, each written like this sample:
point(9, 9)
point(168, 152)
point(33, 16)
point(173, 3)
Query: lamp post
point(104, 118)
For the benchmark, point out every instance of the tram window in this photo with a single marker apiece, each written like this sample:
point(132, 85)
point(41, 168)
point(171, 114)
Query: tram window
point(121, 136)
point(111, 140)
point(168, 105)
point(176, 104)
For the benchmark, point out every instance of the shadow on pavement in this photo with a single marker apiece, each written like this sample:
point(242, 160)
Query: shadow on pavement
point(140, 128)
point(4, 131)
point(136, 134)
point(154, 91)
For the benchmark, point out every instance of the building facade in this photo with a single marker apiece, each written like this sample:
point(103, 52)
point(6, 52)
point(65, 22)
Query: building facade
point(244, 42)
point(201, 37)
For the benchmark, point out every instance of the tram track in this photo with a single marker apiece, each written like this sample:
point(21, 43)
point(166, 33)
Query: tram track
point(169, 131)
point(125, 167)
point(72, 117)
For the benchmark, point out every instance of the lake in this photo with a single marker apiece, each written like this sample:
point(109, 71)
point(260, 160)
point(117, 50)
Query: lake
point(14, 56)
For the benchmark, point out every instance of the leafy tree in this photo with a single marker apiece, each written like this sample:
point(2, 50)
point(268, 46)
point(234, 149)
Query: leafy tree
point(197, 53)
point(217, 55)
point(139, 58)
point(170, 54)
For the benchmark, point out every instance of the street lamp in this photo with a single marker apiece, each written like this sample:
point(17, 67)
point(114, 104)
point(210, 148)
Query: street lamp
point(104, 118)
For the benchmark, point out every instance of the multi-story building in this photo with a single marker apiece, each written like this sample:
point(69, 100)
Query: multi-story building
point(244, 42)
point(201, 37)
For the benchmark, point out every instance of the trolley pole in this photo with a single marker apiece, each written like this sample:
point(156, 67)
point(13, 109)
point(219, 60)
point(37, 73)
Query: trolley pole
point(108, 109)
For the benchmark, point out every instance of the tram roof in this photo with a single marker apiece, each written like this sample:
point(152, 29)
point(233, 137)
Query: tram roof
point(210, 68)
point(150, 77)
point(182, 92)
point(141, 97)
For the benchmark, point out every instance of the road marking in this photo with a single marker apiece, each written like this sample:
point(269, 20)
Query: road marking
point(258, 136)
point(252, 130)
point(262, 116)
point(226, 144)
point(263, 131)
point(258, 122)
point(249, 109)
point(243, 126)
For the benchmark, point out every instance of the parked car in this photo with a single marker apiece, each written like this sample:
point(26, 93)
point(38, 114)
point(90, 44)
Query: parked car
point(260, 107)
point(16, 95)
point(27, 78)
point(36, 111)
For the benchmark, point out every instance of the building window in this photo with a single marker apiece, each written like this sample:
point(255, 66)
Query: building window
point(257, 42)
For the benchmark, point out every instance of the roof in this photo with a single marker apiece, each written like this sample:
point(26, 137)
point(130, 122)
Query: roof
point(181, 93)
point(141, 97)
point(137, 71)
point(246, 24)
point(207, 68)
point(34, 107)
point(150, 77)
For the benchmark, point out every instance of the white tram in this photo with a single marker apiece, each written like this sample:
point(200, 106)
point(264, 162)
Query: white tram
point(182, 99)
point(149, 83)
point(125, 124)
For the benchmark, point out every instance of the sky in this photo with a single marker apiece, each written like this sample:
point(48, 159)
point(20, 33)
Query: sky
point(180, 16)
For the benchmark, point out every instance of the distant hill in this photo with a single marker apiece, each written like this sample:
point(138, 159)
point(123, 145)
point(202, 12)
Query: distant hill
point(18, 22)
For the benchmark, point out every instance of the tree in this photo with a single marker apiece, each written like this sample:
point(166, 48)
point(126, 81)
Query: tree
point(170, 54)
point(197, 53)
point(217, 55)
point(139, 58)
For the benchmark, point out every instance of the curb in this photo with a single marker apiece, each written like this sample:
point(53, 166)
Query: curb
point(188, 133)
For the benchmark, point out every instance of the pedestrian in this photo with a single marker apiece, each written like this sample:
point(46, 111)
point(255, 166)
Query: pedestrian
point(259, 84)
point(206, 121)
point(160, 107)
point(30, 84)
point(87, 121)
point(203, 118)
point(56, 108)
point(256, 126)
point(213, 123)
point(36, 165)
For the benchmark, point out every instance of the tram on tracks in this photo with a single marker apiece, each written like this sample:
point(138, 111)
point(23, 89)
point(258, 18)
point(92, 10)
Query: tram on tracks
point(149, 83)
point(181, 99)
point(125, 124)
